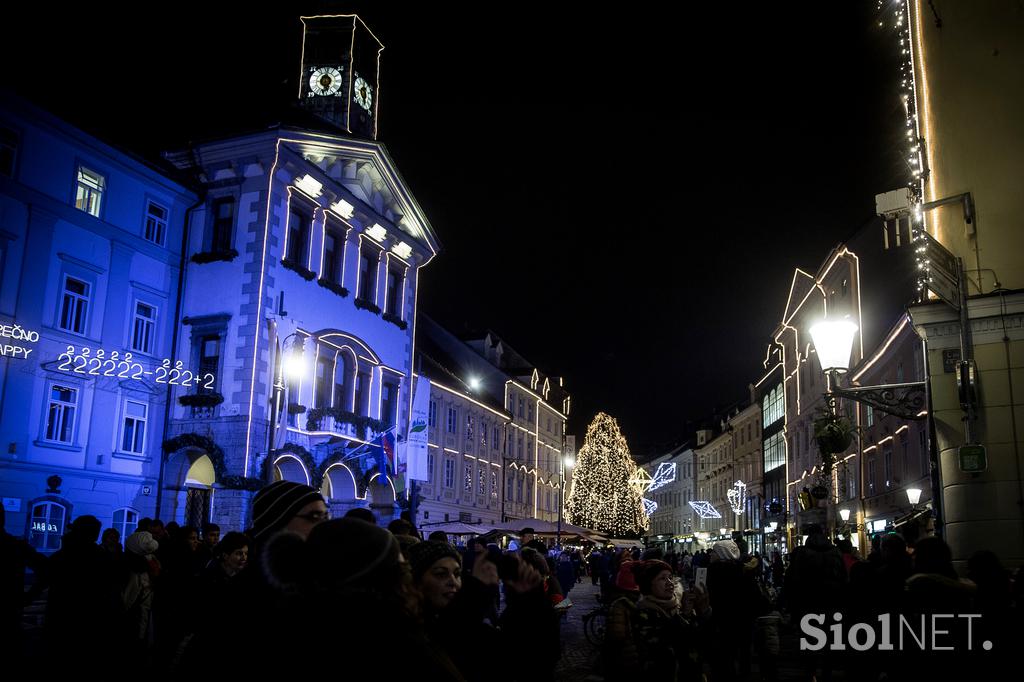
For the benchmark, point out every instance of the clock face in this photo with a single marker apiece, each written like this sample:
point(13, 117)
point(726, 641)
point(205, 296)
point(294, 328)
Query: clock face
point(324, 81)
point(363, 93)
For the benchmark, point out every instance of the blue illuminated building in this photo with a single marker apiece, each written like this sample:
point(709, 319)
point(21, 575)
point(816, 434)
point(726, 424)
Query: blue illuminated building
point(269, 308)
point(90, 251)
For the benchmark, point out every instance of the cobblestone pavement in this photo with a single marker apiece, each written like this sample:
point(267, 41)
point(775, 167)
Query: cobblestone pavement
point(580, 660)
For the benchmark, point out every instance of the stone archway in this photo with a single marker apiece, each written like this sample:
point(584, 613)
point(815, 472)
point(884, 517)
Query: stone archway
point(288, 467)
point(189, 476)
point(381, 495)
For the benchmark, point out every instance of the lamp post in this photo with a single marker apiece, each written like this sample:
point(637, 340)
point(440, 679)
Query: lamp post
point(291, 366)
point(833, 343)
point(564, 463)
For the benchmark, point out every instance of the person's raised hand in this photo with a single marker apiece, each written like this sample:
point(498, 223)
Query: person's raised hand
point(528, 578)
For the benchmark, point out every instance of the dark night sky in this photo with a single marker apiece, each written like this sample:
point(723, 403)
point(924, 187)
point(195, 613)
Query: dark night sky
point(622, 196)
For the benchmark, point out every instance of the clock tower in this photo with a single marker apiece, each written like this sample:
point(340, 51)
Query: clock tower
point(340, 72)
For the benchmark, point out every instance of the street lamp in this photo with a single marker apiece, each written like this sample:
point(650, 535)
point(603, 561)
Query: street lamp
point(833, 343)
point(844, 514)
point(567, 462)
point(292, 367)
point(914, 496)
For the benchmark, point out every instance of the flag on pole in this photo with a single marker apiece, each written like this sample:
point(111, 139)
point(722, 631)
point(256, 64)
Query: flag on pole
point(386, 452)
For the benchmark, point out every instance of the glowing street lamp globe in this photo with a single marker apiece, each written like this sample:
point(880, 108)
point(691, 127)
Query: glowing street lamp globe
point(833, 341)
point(293, 366)
point(844, 514)
point(914, 495)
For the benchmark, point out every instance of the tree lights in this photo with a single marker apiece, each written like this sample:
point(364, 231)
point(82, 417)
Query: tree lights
point(604, 493)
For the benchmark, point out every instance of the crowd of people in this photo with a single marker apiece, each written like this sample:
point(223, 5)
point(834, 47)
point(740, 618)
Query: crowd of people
point(301, 589)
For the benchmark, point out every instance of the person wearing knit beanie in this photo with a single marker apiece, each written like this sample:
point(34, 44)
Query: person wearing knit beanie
point(646, 571)
point(726, 550)
point(423, 555)
point(436, 573)
point(289, 506)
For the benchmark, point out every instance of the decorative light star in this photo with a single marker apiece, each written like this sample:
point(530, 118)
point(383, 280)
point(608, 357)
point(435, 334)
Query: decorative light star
point(665, 474)
point(650, 506)
point(704, 509)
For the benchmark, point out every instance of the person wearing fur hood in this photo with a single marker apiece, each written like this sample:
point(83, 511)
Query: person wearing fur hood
point(660, 635)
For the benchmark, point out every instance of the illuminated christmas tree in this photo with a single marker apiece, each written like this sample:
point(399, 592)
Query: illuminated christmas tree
point(604, 493)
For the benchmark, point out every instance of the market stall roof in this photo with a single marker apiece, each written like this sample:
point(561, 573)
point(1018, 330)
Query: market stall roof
point(546, 527)
point(621, 542)
point(457, 528)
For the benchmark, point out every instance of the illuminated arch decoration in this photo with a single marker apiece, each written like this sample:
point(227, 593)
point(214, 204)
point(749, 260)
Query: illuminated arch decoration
point(704, 509)
point(328, 480)
point(665, 474)
point(207, 446)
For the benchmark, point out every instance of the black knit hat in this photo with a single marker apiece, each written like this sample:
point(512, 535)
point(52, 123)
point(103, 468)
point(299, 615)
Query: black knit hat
point(349, 552)
point(646, 571)
point(274, 506)
point(422, 556)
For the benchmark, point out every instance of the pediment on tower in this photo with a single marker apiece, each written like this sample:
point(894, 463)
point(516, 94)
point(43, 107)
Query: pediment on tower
point(798, 290)
point(365, 170)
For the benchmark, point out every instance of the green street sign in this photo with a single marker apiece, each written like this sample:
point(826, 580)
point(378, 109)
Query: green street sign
point(972, 459)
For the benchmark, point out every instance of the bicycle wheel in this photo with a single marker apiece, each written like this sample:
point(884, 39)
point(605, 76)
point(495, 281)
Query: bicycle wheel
point(593, 627)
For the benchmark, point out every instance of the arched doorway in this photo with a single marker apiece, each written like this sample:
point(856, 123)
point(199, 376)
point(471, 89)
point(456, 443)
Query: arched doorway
point(340, 490)
point(288, 467)
point(189, 479)
point(381, 495)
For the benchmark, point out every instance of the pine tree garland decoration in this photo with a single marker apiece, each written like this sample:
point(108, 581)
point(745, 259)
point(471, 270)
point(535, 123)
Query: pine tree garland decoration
point(603, 496)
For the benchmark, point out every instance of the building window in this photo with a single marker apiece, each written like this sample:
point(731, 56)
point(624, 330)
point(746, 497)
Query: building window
point(144, 328)
point(47, 525)
point(871, 475)
point(125, 522)
point(343, 374)
point(432, 414)
point(519, 487)
point(773, 407)
point(209, 362)
point(509, 483)
point(494, 484)
point(452, 420)
point(8, 151)
point(362, 401)
point(156, 223)
point(389, 404)
point(481, 478)
point(133, 427)
point(774, 452)
point(334, 253)
point(467, 476)
point(74, 307)
point(298, 236)
point(223, 224)
point(496, 439)
point(449, 473)
point(529, 409)
point(368, 259)
point(393, 302)
point(60, 414)
point(89, 191)
point(870, 415)
point(522, 406)
point(887, 459)
point(324, 382)
point(430, 466)
point(469, 432)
